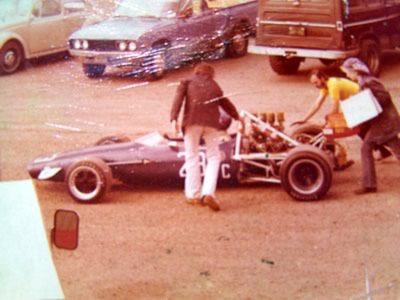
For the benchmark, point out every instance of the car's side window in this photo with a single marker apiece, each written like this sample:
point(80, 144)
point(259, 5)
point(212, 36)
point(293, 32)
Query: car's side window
point(36, 9)
point(51, 8)
point(186, 10)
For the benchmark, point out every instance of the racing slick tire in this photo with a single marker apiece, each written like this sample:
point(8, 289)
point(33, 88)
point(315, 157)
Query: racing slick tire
point(284, 66)
point(306, 173)
point(238, 42)
point(11, 57)
point(337, 152)
point(113, 139)
point(88, 180)
point(93, 71)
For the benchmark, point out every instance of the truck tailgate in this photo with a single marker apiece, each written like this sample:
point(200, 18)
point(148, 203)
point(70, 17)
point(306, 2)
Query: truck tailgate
point(299, 24)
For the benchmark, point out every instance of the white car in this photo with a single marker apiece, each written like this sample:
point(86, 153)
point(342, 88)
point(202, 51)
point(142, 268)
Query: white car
point(34, 28)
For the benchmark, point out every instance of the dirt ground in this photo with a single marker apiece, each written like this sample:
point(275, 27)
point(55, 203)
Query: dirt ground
point(146, 243)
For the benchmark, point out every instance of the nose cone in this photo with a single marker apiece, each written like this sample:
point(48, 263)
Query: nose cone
point(34, 170)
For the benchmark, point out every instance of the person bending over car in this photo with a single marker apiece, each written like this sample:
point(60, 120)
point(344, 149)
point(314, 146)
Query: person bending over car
point(336, 88)
point(201, 97)
point(381, 130)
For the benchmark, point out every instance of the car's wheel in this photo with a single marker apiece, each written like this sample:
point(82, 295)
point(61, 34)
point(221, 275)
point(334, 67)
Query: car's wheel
point(307, 133)
point(156, 67)
point(327, 62)
point(114, 139)
point(284, 66)
point(306, 174)
point(93, 71)
point(238, 42)
point(88, 180)
point(370, 54)
point(11, 56)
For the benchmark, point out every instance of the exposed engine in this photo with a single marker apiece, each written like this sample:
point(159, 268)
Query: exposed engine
point(256, 139)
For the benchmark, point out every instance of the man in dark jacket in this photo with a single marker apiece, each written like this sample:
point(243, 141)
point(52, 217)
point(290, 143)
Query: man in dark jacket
point(201, 99)
point(381, 130)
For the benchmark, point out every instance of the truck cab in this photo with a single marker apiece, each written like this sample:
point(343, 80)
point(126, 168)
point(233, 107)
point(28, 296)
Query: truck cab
point(289, 31)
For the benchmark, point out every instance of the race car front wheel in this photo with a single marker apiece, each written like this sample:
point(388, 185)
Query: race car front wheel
point(306, 173)
point(88, 180)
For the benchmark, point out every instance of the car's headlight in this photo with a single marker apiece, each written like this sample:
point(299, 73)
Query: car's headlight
point(132, 46)
point(126, 45)
point(85, 44)
point(122, 46)
point(77, 44)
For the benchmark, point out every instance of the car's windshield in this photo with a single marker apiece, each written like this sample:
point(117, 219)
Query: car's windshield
point(148, 8)
point(14, 8)
point(151, 139)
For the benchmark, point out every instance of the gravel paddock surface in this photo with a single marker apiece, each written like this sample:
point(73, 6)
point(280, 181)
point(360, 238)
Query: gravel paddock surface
point(146, 243)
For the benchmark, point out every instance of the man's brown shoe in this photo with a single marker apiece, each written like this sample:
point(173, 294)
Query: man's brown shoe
point(211, 202)
point(194, 201)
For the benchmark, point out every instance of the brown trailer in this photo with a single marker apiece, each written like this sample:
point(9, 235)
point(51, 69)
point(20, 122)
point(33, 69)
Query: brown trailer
point(289, 31)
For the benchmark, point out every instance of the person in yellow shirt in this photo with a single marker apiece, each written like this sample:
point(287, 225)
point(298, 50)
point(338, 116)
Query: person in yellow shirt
point(336, 88)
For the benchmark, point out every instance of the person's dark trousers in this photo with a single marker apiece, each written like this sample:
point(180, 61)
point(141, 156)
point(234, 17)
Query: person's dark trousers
point(367, 159)
point(384, 152)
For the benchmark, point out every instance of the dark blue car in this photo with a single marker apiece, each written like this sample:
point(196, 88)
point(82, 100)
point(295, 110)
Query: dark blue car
point(148, 38)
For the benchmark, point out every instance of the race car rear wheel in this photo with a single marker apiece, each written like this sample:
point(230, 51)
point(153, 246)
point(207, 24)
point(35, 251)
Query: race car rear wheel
point(307, 132)
point(88, 180)
point(306, 174)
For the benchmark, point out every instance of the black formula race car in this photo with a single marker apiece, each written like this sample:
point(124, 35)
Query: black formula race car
point(259, 152)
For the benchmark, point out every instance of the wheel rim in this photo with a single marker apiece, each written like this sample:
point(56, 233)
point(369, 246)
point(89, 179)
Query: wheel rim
point(306, 176)
point(10, 60)
point(85, 183)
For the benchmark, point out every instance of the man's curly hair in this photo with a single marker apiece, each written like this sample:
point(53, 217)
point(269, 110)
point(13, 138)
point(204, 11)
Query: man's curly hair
point(204, 69)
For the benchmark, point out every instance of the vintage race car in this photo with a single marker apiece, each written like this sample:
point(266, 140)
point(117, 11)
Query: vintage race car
point(259, 152)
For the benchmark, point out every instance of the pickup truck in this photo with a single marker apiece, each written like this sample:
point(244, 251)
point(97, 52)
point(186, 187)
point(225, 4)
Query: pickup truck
point(148, 38)
point(290, 31)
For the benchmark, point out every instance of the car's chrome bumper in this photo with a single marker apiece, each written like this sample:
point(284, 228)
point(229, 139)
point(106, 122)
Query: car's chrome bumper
point(111, 58)
point(299, 52)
